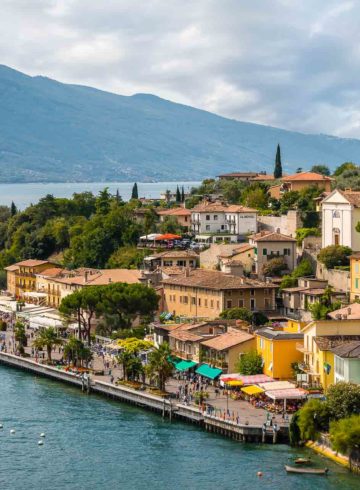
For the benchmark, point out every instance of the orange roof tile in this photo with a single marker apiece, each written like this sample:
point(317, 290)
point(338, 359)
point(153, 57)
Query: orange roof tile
point(307, 176)
point(228, 340)
point(174, 212)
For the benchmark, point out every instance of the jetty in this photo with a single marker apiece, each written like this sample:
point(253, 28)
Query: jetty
point(166, 407)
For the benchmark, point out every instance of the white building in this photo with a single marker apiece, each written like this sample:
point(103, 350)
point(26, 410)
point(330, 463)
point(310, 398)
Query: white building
point(217, 217)
point(340, 215)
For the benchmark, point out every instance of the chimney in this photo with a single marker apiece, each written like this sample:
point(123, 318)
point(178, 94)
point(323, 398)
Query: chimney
point(110, 280)
point(349, 311)
point(86, 277)
point(187, 271)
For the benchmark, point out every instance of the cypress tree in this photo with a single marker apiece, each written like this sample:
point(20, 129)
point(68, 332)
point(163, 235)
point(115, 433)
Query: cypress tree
point(278, 167)
point(182, 194)
point(135, 193)
point(13, 209)
point(178, 195)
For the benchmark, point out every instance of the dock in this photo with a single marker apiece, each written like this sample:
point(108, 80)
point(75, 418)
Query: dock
point(167, 408)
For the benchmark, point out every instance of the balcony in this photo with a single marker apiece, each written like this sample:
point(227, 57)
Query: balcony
point(301, 348)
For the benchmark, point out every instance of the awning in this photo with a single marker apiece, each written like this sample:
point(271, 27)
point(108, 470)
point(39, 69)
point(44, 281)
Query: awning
point(234, 382)
point(252, 390)
point(184, 365)
point(290, 394)
point(255, 379)
point(277, 385)
point(208, 371)
point(151, 236)
point(168, 236)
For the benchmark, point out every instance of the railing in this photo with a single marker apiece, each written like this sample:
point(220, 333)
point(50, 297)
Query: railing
point(301, 348)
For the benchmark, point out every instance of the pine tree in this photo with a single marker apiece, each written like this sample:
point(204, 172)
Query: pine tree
point(135, 193)
point(278, 167)
point(118, 198)
point(13, 209)
point(182, 194)
point(178, 195)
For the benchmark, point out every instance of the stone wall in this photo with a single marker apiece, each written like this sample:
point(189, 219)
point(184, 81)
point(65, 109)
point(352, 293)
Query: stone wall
point(339, 280)
point(287, 224)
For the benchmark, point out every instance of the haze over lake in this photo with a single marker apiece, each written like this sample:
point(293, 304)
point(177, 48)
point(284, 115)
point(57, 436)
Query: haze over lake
point(25, 194)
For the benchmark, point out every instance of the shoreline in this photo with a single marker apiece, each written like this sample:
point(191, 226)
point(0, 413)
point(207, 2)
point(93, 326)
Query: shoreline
point(166, 407)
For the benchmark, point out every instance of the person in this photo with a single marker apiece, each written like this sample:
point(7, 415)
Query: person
point(111, 379)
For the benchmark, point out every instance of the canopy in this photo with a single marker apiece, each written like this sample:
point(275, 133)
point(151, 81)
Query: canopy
point(208, 371)
point(252, 390)
point(290, 394)
point(255, 379)
point(152, 236)
point(184, 365)
point(168, 236)
point(277, 385)
point(234, 382)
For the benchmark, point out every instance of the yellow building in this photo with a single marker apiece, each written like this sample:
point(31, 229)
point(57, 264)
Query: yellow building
point(320, 337)
point(278, 348)
point(294, 326)
point(21, 277)
point(355, 277)
point(205, 293)
point(225, 350)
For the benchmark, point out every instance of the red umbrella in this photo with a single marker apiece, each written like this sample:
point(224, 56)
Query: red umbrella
point(168, 236)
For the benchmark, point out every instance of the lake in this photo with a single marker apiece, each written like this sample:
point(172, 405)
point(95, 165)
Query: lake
point(25, 194)
point(94, 443)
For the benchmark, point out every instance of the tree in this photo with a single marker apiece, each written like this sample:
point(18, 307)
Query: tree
point(274, 267)
point(288, 282)
point(345, 434)
point(150, 220)
point(178, 195)
point(83, 305)
point(13, 209)
point(159, 365)
point(289, 201)
point(304, 268)
point(237, 314)
point(318, 311)
point(334, 255)
point(103, 202)
point(135, 192)
point(302, 233)
point(294, 430)
point(76, 352)
point(278, 166)
point(313, 418)
point(127, 258)
point(20, 336)
point(170, 225)
point(250, 363)
point(349, 178)
point(343, 167)
point(343, 400)
point(320, 169)
point(182, 194)
point(48, 338)
point(255, 197)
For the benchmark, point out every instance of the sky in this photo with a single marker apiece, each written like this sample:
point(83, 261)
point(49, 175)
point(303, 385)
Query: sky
point(286, 63)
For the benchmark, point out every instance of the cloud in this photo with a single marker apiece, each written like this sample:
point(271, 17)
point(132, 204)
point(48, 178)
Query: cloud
point(290, 64)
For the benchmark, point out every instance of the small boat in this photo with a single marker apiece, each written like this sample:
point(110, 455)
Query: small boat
point(302, 461)
point(312, 471)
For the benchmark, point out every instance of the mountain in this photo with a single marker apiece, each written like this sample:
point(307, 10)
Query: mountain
point(55, 132)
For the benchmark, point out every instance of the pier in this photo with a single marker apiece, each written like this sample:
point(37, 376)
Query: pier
point(167, 408)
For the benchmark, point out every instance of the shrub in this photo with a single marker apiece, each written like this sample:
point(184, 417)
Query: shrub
point(334, 255)
point(250, 363)
point(343, 400)
point(345, 434)
point(274, 267)
point(237, 314)
point(288, 282)
point(313, 418)
point(302, 233)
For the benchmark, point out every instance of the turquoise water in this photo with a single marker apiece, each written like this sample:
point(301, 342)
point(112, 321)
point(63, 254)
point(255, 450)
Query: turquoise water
point(93, 443)
point(24, 194)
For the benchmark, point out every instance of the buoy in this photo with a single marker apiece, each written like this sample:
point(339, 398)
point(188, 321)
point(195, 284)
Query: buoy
point(259, 474)
point(42, 434)
point(12, 431)
point(40, 443)
point(1, 426)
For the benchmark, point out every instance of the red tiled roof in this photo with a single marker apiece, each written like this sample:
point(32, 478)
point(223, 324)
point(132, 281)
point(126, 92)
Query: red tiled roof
point(265, 236)
point(228, 340)
point(32, 263)
point(174, 212)
point(307, 176)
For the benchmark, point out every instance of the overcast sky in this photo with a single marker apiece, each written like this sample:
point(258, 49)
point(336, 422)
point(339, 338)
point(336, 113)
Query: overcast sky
point(289, 63)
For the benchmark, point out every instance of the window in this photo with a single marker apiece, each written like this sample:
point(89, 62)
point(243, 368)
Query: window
point(193, 300)
point(218, 304)
point(261, 343)
point(356, 266)
point(339, 366)
point(336, 214)
point(252, 304)
point(241, 303)
point(228, 304)
point(222, 227)
point(207, 227)
point(266, 292)
point(212, 303)
point(252, 292)
point(287, 251)
point(205, 303)
point(199, 301)
point(264, 251)
point(267, 304)
point(185, 299)
point(208, 217)
point(357, 283)
point(215, 217)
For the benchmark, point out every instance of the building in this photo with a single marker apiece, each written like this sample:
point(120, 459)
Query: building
point(270, 245)
point(340, 214)
point(349, 312)
point(172, 258)
point(240, 258)
point(278, 348)
point(320, 338)
point(218, 254)
point(347, 362)
point(299, 182)
point(182, 216)
point(204, 293)
point(225, 350)
point(21, 277)
point(219, 218)
point(247, 176)
point(355, 277)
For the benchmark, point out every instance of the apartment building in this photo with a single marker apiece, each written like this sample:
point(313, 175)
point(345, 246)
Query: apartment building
point(299, 182)
point(205, 293)
point(21, 277)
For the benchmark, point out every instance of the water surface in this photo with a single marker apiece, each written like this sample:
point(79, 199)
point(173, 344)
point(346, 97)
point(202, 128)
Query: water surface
point(94, 443)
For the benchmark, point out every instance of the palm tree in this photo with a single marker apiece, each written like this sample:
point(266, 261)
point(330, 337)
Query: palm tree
point(159, 364)
point(75, 351)
point(47, 338)
point(20, 336)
